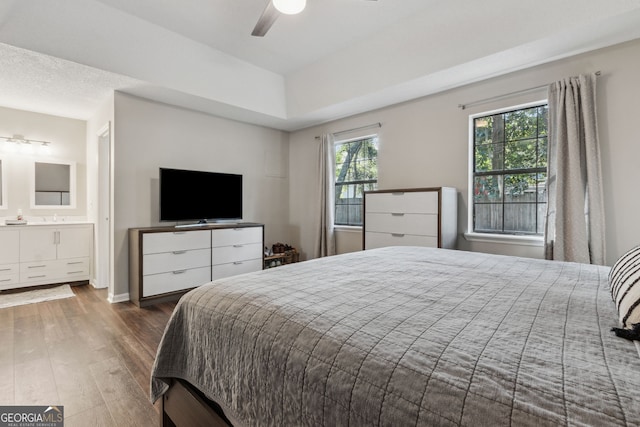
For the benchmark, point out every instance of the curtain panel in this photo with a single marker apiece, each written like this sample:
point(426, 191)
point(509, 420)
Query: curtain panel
point(325, 240)
point(574, 229)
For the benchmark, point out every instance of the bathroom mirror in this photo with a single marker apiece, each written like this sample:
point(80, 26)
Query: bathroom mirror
point(54, 185)
point(3, 185)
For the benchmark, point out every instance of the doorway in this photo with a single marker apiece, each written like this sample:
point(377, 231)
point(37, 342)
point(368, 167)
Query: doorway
point(103, 223)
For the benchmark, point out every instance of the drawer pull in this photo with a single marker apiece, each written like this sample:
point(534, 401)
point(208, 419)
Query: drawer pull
point(5, 269)
point(74, 262)
point(75, 272)
point(398, 193)
point(179, 252)
point(36, 277)
point(397, 214)
point(179, 232)
point(237, 246)
point(397, 234)
point(37, 266)
point(179, 271)
point(237, 262)
point(5, 280)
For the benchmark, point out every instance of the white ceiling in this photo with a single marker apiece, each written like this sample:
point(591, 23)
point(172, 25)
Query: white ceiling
point(337, 58)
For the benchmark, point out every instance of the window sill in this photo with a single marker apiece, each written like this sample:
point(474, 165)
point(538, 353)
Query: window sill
point(348, 228)
point(509, 239)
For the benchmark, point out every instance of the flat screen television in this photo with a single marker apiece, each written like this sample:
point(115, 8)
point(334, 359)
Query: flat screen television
point(188, 195)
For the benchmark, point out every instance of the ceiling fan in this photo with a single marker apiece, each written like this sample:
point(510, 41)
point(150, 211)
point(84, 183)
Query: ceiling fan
point(274, 9)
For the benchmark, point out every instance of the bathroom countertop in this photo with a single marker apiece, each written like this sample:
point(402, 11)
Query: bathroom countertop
point(44, 223)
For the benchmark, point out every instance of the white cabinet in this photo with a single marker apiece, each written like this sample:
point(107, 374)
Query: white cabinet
point(165, 262)
point(236, 251)
point(410, 217)
point(9, 259)
point(39, 255)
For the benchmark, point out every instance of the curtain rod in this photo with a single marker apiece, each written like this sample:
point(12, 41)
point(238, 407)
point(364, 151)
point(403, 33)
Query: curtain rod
point(373, 125)
point(507, 95)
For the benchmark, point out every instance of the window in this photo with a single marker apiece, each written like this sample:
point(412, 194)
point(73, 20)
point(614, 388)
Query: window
point(509, 171)
point(356, 172)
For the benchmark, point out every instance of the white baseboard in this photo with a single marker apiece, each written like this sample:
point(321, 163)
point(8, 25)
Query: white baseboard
point(113, 299)
point(96, 286)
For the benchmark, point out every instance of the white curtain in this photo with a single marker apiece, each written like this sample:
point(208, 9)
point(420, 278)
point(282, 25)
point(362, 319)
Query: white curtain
point(325, 241)
point(574, 228)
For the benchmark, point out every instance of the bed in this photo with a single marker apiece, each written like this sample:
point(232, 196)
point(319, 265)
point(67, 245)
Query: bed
point(400, 336)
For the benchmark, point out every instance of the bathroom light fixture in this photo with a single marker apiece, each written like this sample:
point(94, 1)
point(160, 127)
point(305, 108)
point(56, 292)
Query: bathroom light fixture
point(20, 139)
point(290, 7)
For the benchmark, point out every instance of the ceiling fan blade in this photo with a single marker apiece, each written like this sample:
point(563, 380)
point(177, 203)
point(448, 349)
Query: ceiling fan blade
point(266, 20)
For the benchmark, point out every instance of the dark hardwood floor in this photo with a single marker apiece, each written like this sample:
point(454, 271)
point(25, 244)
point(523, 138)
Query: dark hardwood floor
point(92, 357)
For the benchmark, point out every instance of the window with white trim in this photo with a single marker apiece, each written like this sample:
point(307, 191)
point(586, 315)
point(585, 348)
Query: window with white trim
point(356, 163)
point(509, 171)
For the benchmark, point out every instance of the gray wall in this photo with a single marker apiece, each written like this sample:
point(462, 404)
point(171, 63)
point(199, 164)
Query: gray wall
point(148, 135)
point(425, 143)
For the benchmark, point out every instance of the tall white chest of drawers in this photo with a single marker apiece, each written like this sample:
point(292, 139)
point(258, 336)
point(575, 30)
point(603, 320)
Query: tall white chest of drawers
point(165, 262)
point(410, 217)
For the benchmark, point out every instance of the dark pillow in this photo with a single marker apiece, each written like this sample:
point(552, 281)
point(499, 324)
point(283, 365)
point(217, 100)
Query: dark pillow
point(624, 280)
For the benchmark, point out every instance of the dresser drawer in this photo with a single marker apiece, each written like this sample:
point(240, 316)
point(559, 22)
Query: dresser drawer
point(420, 224)
point(236, 236)
point(238, 267)
point(175, 260)
point(238, 252)
point(403, 202)
point(55, 271)
point(38, 270)
point(73, 269)
point(9, 281)
point(9, 269)
point(156, 284)
point(175, 241)
point(381, 240)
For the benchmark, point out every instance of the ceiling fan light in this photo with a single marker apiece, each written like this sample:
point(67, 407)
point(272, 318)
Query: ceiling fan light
point(289, 7)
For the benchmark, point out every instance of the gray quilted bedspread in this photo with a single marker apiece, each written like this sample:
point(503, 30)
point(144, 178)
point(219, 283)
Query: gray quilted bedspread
point(405, 337)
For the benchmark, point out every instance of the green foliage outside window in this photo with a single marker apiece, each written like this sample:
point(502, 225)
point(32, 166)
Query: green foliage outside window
point(510, 163)
point(356, 172)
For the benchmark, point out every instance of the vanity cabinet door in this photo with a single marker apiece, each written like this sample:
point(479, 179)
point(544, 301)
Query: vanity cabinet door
point(38, 244)
point(10, 247)
point(45, 243)
point(75, 241)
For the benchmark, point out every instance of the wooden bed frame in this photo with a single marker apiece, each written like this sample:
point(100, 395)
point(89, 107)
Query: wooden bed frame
point(183, 405)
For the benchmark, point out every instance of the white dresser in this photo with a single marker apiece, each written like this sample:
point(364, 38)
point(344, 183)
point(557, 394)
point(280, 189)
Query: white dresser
point(32, 255)
point(410, 217)
point(166, 262)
